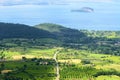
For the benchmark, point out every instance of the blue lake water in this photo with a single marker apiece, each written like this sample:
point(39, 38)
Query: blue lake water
point(106, 16)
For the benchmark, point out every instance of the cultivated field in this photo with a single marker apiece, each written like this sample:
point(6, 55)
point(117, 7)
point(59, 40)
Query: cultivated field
point(39, 64)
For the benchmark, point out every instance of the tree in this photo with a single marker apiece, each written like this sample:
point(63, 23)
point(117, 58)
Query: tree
point(86, 61)
point(24, 58)
point(2, 66)
point(2, 55)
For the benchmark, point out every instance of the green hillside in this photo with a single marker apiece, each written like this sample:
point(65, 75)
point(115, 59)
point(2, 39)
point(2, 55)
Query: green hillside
point(64, 34)
point(50, 27)
point(9, 30)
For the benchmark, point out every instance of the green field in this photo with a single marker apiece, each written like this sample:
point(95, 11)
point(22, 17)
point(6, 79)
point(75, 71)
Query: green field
point(19, 52)
point(84, 65)
point(28, 69)
point(38, 64)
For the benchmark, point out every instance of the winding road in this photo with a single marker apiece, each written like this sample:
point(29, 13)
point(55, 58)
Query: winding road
point(57, 65)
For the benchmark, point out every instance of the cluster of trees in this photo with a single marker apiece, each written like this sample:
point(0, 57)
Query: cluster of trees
point(108, 72)
point(102, 34)
point(84, 72)
point(2, 55)
point(74, 72)
point(34, 69)
point(28, 43)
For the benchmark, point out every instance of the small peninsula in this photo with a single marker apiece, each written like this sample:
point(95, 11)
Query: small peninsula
point(83, 9)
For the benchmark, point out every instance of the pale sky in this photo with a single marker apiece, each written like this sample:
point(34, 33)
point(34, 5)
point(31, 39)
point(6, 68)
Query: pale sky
point(7, 2)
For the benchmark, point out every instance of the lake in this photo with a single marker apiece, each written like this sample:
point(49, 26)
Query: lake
point(106, 16)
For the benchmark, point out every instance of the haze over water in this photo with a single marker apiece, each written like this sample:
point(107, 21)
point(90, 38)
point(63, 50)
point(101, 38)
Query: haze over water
point(106, 15)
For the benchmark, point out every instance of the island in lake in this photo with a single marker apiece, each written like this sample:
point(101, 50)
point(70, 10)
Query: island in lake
point(83, 9)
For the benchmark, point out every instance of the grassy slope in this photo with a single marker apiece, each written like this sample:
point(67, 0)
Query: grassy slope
point(30, 53)
point(50, 27)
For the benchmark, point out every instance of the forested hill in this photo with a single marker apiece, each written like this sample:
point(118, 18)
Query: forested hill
point(46, 30)
point(9, 30)
point(64, 34)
